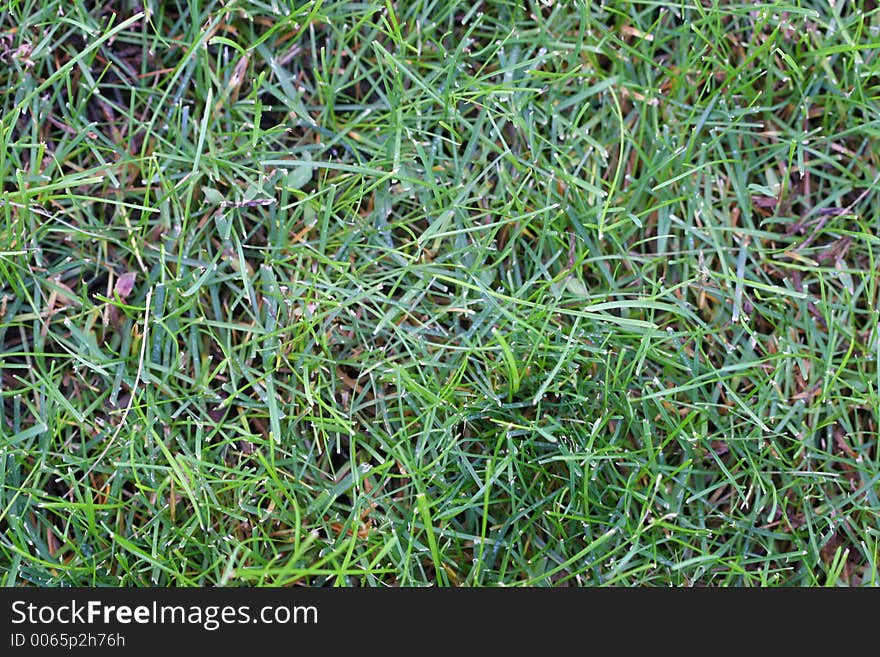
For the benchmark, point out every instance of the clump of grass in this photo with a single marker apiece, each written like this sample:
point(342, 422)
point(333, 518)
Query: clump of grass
point(407, 293)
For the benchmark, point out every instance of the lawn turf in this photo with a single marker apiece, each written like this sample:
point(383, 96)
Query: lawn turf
point(439, 293)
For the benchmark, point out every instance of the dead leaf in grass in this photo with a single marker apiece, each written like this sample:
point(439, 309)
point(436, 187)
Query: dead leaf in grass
point(125, 284)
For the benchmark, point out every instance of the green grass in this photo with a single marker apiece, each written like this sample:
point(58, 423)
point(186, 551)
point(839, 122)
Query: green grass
point(425, 292)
